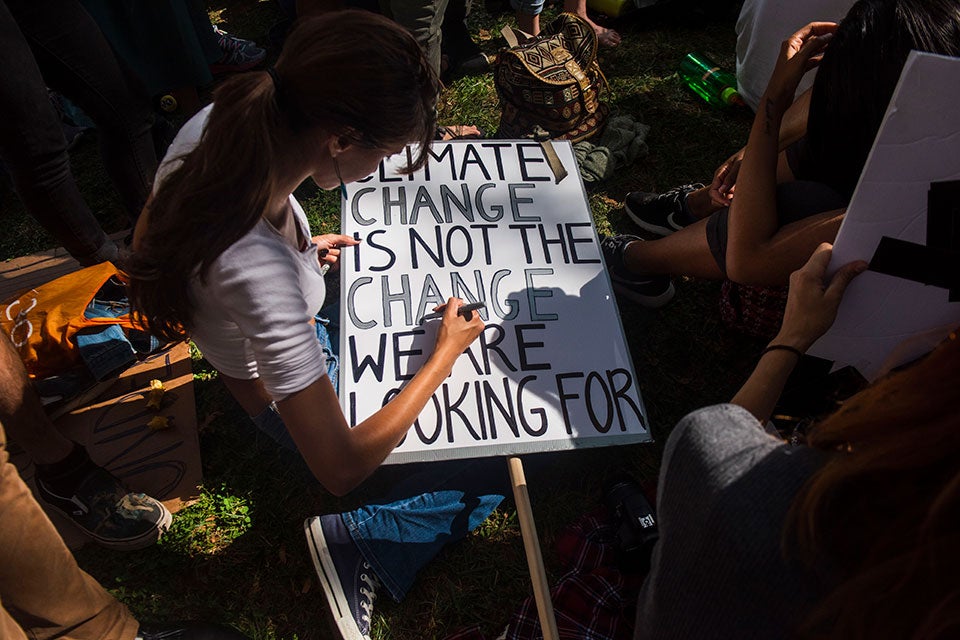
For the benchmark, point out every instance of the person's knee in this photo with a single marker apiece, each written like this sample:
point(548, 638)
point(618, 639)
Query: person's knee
point(755, 270)
point(40, 171)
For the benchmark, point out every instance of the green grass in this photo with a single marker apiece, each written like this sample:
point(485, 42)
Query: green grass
point(238, 555)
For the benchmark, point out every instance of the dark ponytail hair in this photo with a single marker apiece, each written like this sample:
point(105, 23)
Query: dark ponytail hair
point(353, 74)
point(859, 72)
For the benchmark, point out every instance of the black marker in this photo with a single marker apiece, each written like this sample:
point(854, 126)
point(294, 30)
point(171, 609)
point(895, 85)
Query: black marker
point(473, 306)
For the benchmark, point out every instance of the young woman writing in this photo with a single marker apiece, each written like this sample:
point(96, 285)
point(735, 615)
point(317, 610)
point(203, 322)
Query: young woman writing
point(224, 253)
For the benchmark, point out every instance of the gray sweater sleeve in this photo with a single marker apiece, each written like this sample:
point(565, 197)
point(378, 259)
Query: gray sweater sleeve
point(718, 572)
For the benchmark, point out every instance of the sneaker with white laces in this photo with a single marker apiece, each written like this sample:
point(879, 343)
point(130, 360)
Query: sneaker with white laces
point(238, 54)
point(651, 291)
point(348, 580)
point(660, 213)
point(94, 500)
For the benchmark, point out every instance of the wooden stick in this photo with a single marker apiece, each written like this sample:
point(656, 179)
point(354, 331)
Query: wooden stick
point(531, 544)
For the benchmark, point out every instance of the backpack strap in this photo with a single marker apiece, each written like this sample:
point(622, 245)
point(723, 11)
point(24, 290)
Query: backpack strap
point(553, 160)
point(512, 36)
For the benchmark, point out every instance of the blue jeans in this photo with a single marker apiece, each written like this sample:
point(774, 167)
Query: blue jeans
point(435, 504)
point(529, 7)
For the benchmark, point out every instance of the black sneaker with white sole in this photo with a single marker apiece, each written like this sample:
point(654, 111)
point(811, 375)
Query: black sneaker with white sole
point(93, 499)
point(651, 291)
point(660, 213)
point(348, 580)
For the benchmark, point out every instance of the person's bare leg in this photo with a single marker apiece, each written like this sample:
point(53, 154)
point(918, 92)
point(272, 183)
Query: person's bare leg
point(771, 262)
point(607, 37)
point(528, 23)
point(22, 414)
point(685, 252)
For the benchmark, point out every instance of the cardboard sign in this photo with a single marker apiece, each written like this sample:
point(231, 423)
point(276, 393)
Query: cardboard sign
point(904, 220)
point(164, 464)
point(484, 221)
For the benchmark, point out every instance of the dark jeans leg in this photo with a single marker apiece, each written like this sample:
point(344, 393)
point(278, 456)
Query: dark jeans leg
point(424, 19)
point(75, 59)
point(34, 150)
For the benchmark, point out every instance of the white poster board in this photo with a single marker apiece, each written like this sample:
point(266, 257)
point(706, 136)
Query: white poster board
point(886, 320)
point(485, 221)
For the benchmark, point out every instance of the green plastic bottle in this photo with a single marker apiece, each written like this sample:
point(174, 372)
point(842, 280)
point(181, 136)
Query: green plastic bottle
point(717, 87)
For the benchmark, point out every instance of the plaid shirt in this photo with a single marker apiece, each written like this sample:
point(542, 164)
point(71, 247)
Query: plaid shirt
point(595, 599)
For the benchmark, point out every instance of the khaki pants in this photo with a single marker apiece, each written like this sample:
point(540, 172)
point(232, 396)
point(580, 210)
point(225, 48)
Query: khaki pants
point(43, 593)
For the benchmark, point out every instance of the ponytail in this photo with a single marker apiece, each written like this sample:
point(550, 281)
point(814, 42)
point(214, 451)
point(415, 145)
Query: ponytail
point(350, 73)
point(212, 199)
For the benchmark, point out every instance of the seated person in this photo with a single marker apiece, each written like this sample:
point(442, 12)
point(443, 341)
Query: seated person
point(786, 203)
point(43, 593)
point(852, 535)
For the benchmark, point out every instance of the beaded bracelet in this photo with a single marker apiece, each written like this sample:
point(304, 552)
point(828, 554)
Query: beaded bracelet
point(782, 347)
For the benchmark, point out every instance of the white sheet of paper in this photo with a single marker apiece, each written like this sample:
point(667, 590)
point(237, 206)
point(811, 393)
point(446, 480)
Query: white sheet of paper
point(486, 221)
point(886, 321)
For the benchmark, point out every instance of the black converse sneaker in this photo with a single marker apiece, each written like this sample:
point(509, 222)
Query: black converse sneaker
point(660, 213)
point(348, 580)
point(649, 291)
point(94, 500)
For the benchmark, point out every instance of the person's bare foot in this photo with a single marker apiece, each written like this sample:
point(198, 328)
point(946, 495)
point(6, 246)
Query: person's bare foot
point(607, 37)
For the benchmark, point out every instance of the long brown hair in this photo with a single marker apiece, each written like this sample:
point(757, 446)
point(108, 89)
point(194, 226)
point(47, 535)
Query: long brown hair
point(353, 74)
point(883, 513)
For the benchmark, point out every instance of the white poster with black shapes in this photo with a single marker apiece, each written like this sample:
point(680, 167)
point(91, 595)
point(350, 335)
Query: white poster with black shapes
point(485, 221)
point(904, 220)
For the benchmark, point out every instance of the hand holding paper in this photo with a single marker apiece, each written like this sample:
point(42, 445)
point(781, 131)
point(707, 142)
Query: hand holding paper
point(813, 301)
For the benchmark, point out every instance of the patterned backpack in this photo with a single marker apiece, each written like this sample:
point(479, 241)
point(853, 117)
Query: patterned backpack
point(552, 81)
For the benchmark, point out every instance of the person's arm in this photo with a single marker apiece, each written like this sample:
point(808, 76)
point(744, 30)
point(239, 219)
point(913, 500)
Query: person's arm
point(793, 127)
point(753, 217)
point(811, 309)
point(341, 457)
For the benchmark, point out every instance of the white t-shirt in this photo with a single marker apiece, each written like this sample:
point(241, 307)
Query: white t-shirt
point(762, 26)
point(252, 317)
